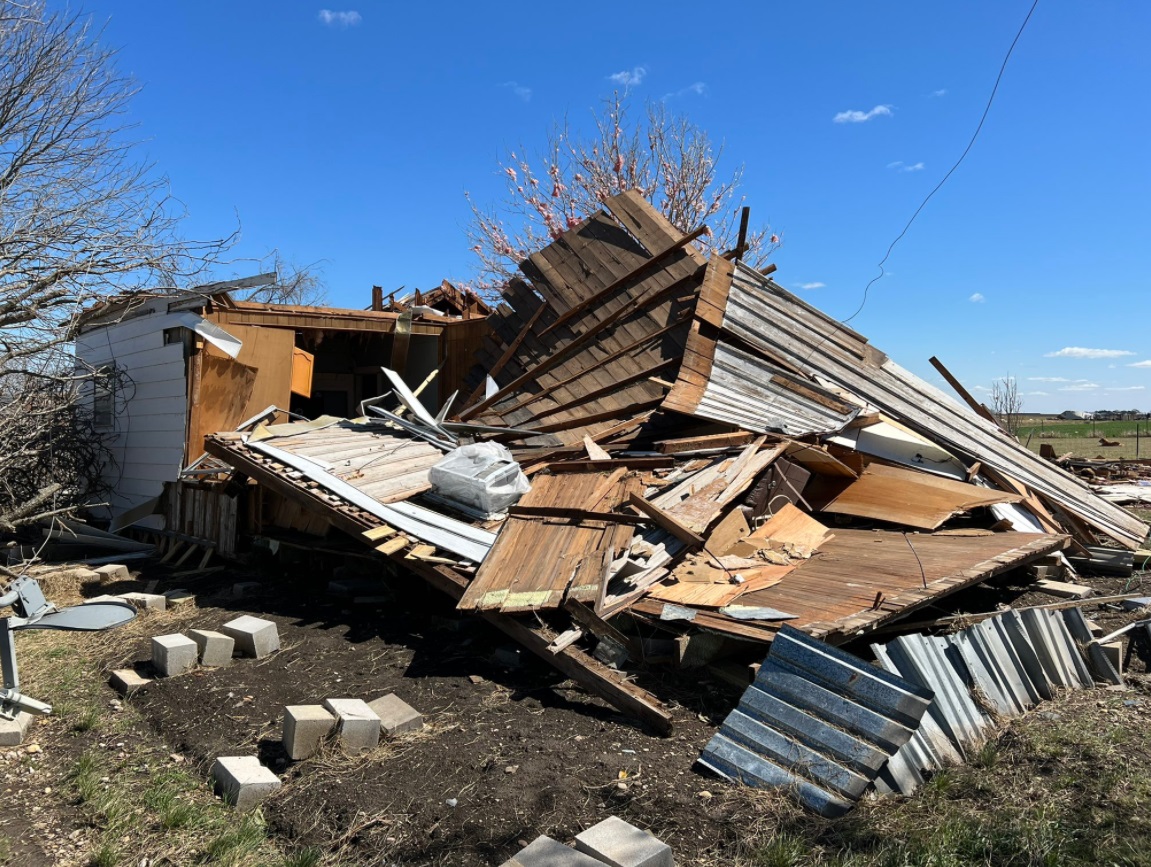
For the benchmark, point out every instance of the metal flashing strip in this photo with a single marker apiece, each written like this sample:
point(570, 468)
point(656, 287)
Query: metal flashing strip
point(429, 526)
point(817, 722)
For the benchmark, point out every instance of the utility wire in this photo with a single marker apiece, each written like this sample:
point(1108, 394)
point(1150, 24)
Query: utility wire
point(951, 171)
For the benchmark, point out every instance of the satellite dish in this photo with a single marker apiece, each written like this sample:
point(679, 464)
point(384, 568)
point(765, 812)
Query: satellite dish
point(33, 611)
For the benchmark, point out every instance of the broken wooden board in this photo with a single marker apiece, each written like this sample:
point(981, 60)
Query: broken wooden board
point(902, 496)
point(700, 508)
point(789, 530)
point(538, 561)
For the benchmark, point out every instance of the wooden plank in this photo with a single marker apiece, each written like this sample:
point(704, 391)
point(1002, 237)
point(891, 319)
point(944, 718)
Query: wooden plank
point(666, 521)
point(624, 461)
point(703, 443)
point(976, 407)
point(578, 515)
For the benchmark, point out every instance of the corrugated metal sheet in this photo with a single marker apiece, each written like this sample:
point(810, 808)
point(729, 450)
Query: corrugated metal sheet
point(748, 392)
point(1008, 663)
point(768, 318)
point(817, 722)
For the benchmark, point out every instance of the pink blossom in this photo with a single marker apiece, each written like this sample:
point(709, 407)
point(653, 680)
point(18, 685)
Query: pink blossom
point(511, 173)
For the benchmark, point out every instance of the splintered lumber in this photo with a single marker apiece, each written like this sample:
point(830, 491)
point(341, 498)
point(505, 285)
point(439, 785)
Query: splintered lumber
point(610, 463)
point(1064, 590)
point(703, 443)
point(701, 508)
point(907, 497)
point(666, 521)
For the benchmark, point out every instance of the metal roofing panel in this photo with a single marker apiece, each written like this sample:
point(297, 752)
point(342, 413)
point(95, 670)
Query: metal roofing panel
point(817, 722)
point(769, 318)
point(745, 390)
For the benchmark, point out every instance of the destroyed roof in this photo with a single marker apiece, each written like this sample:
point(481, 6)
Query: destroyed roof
point(708, 452)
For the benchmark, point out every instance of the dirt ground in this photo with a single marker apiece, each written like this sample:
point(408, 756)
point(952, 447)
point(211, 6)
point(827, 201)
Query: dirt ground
point(510, 749)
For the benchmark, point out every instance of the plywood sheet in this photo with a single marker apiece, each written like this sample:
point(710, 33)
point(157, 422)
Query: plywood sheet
point(908, 497)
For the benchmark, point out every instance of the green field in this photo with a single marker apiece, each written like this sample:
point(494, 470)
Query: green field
point(1082, 437)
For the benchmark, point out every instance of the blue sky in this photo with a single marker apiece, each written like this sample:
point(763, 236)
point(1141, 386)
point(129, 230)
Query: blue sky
point(348, 137)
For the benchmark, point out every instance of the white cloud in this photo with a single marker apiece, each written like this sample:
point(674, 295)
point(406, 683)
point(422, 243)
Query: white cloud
point(1146, 363)
point(862, 116)
point(332, 18)
point(977, 298)
point(628, 77)
point(1049, 379)
point(982, 388)
point(816, 285)
point(906, 167)
point(1080, 386)
point(1126, 388)
point(941, 92)
point(696, 88)
point(1037, 394)
point(524, 93)
point(1082, 352)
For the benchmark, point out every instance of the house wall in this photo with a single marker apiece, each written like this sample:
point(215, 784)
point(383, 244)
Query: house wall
point(150, 406)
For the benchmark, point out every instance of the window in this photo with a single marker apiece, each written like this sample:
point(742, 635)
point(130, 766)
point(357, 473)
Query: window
point(104, 396)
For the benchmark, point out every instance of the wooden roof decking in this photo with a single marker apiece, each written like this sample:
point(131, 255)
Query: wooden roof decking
point(586, 355)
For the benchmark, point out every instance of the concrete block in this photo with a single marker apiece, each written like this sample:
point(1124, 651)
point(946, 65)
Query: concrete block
point(243, 782)
point(253, 635)
point(621, 844)
point(81, 574)
point(146, 601)
point(215, 648)
point(126, 681)
point(173, 654)
point(113, 572)
point(12, 731)
point(546, 852)
point(396, 715)
point(357, 725)
point(1114, 651)
point(305, 727)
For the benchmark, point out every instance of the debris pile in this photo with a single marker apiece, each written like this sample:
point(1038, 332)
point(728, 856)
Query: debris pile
point(709, 458)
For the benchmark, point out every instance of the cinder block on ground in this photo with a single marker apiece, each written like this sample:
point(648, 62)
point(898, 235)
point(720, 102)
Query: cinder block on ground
point(396, 715)
point(243, 782)
point(81, 574)
point(126, 681)
point(113, 572)
point(253, 635)
point(173, 654)
point(12, 731)
point(305, 727)
point(215, 648)
point(621, 844)
point(357, 724)
point(146, 601)
point(546, 852)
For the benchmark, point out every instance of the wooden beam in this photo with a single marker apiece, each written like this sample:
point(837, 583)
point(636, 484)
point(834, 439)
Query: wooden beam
point(632, 463)
point(510, 351)
point(666, 521)
point(575, 514)
point(976, 407)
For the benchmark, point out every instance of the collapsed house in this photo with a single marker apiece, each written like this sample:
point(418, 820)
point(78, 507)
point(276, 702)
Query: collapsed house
point(185, 365)
point(710, 459)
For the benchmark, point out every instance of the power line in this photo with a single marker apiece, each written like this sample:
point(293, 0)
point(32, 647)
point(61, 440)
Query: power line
point(951, 171)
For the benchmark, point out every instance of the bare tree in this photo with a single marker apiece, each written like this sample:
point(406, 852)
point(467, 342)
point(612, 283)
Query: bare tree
point(81, 219)
point(1006, 403)
point(664, 156)
point(294, 284)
